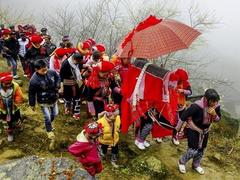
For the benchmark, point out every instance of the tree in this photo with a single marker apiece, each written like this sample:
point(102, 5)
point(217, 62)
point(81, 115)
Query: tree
point(61, 22)
point(12, 16)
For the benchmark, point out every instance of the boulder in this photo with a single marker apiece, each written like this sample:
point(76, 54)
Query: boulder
point(149, 165)
point(36, 168)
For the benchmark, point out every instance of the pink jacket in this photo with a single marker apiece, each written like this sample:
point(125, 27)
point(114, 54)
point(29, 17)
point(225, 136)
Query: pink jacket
point(87, 154)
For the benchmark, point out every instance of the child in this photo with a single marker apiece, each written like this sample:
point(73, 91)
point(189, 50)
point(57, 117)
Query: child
point(10, 98)
point(86, 149)
point(111, 124)
point(44, 85)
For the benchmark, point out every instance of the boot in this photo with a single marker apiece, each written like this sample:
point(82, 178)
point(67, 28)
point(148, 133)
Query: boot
point(51, 136)
point(114, 161)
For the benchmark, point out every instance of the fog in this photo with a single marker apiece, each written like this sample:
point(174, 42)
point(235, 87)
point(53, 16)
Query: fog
point(222, 42)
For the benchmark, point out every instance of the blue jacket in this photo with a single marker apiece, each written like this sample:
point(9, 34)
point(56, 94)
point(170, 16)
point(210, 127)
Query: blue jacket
point(44, 87)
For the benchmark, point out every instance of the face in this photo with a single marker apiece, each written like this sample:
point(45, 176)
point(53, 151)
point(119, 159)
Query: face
point(212, 103)
point(91, 137)
point(6, 85)
point(42, 71)
point(37, 45)
point(125, 61)
point(103, 74)
point(47, 40)
point(112, 115)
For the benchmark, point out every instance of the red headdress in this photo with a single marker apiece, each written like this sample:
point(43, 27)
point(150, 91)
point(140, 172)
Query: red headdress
point(5, 77)
point(182, 74)
point(86, 45)
point(106, 66)
point(6, 31)
point(36, 39)
point(93, 128)
point(60, 52)
point(93, 42)
point(101, 48)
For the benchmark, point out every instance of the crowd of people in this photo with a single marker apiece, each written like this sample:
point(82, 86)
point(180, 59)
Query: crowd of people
point(73, 75)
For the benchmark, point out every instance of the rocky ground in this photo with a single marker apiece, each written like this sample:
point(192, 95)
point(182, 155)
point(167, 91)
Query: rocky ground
point(159, 161)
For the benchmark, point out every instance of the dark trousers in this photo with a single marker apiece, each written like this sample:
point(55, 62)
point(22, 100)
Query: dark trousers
point(24, 64)
point(104, 149)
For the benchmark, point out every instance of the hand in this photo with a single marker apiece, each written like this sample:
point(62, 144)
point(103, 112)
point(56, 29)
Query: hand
point(33, 108)
point(180, 90)
point(212, 111)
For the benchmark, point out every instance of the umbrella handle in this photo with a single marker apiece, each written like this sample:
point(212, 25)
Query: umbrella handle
point(130, 53)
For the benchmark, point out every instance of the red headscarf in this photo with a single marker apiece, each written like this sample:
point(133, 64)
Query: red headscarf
point(6, 77)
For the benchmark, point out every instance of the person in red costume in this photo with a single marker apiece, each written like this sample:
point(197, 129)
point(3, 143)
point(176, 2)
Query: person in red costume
point(179, 89)
point(35, 52)
point(86, 149)
point(56, 59)
point(100, 85)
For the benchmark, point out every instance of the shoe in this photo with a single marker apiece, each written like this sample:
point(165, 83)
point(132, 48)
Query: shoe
point(114, 164)
point(146, 144)
point(175, 141)
point(52, 145)
point(25, 75)
point(66, 112)
point(76, 116)
point(140, 145)
point(10, 138)
point(182, 168)
point(61, 101)
point(50, 135)
point(15, 77)
point(159, 140)
point(199, 169)
point(114, 160)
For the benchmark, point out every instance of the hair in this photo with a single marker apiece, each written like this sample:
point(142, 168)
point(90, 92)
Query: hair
point(39, 64)
point(77, 56)
point(43, 29)
point(211, 95)
point(96, 55)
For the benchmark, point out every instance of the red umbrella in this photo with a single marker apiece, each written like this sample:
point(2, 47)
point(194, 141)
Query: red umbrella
point(155, 37)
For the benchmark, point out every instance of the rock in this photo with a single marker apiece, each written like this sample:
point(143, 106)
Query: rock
point(37, 168)
point(149, 165)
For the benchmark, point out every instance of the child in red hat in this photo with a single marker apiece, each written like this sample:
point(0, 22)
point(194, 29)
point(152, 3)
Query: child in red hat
point(86, 149)
point(10, 98)
point(111, 127)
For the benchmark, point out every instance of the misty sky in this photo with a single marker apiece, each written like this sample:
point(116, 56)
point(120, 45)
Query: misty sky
point(222, 42)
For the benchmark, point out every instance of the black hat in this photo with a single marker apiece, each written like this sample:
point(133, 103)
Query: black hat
point(43, 29)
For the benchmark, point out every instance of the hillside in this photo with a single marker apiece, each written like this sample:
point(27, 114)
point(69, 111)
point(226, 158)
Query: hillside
point(221, 160)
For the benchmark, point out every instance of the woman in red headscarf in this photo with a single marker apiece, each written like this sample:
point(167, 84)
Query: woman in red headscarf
point(10, 98)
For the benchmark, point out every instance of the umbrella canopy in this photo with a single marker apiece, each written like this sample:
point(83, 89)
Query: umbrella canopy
point(155, 37)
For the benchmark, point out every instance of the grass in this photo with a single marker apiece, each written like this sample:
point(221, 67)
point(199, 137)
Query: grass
point(33, 141)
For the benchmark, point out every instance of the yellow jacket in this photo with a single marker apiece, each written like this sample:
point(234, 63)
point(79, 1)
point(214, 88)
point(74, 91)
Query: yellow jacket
point(109, 138)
